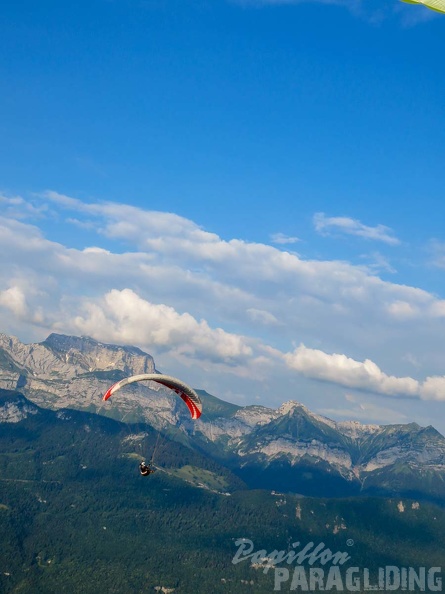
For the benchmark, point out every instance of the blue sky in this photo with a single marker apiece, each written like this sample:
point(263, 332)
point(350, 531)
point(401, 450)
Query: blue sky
point(251, 191)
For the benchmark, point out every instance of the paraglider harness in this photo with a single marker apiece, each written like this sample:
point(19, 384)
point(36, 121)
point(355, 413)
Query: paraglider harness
point(146, 469)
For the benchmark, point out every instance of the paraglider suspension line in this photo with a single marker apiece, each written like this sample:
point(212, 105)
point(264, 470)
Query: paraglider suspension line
point(155, 448)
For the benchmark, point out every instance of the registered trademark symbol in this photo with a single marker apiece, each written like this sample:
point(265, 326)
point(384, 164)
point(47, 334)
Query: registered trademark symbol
point(350, 542)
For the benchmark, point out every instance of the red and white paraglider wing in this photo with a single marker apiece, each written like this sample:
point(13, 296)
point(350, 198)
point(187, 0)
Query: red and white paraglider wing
point(188, 395)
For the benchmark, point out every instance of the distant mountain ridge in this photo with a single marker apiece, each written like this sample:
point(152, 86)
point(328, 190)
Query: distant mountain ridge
point(289, 449)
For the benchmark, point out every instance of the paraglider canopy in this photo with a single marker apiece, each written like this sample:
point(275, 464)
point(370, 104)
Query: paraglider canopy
point(188, 395)
point(437, 5)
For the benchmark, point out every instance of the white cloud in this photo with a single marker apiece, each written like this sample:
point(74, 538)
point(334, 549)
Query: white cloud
point(402, 309)
point(14, 300)
point(437, 309)
point(68, 202)
point(123, 316)
point(366, 375)
point(18, 208)
point(347, 372)
point(345, 225)
point(162, 282)
point(378, 263)
point(282, 239)
point(433, 388)
point(261, 316)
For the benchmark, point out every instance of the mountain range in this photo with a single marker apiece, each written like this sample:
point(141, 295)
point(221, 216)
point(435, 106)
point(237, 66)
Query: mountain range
point(289, 449)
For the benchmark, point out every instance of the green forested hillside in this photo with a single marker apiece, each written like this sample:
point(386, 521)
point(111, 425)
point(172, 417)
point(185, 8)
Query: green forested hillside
point(76, 516)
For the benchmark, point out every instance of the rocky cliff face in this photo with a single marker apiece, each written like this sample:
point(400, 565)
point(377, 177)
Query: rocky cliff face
point(70, 356)
point(14, 407)
point(85, 354)
point(67, 371)
point(287, 444)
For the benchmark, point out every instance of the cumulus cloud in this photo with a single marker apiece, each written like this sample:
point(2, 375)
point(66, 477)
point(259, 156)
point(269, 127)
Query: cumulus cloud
point(164, 283)
point(366, 375)
point(437, 309)
point(402, 309)
point(345, 225)
point(123, 316)
point(14, 300)
point(433, 388)
point(347, 372)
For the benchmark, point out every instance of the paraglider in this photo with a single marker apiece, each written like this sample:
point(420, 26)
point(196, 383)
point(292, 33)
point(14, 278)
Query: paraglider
point(188, 395)
point(437, 5)
point(145, 469)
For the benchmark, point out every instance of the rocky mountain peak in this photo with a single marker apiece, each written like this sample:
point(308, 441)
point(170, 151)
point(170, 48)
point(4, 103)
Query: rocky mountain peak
point(290, 406)
point(69, 356)
point(64, 371)
point(91, 355)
